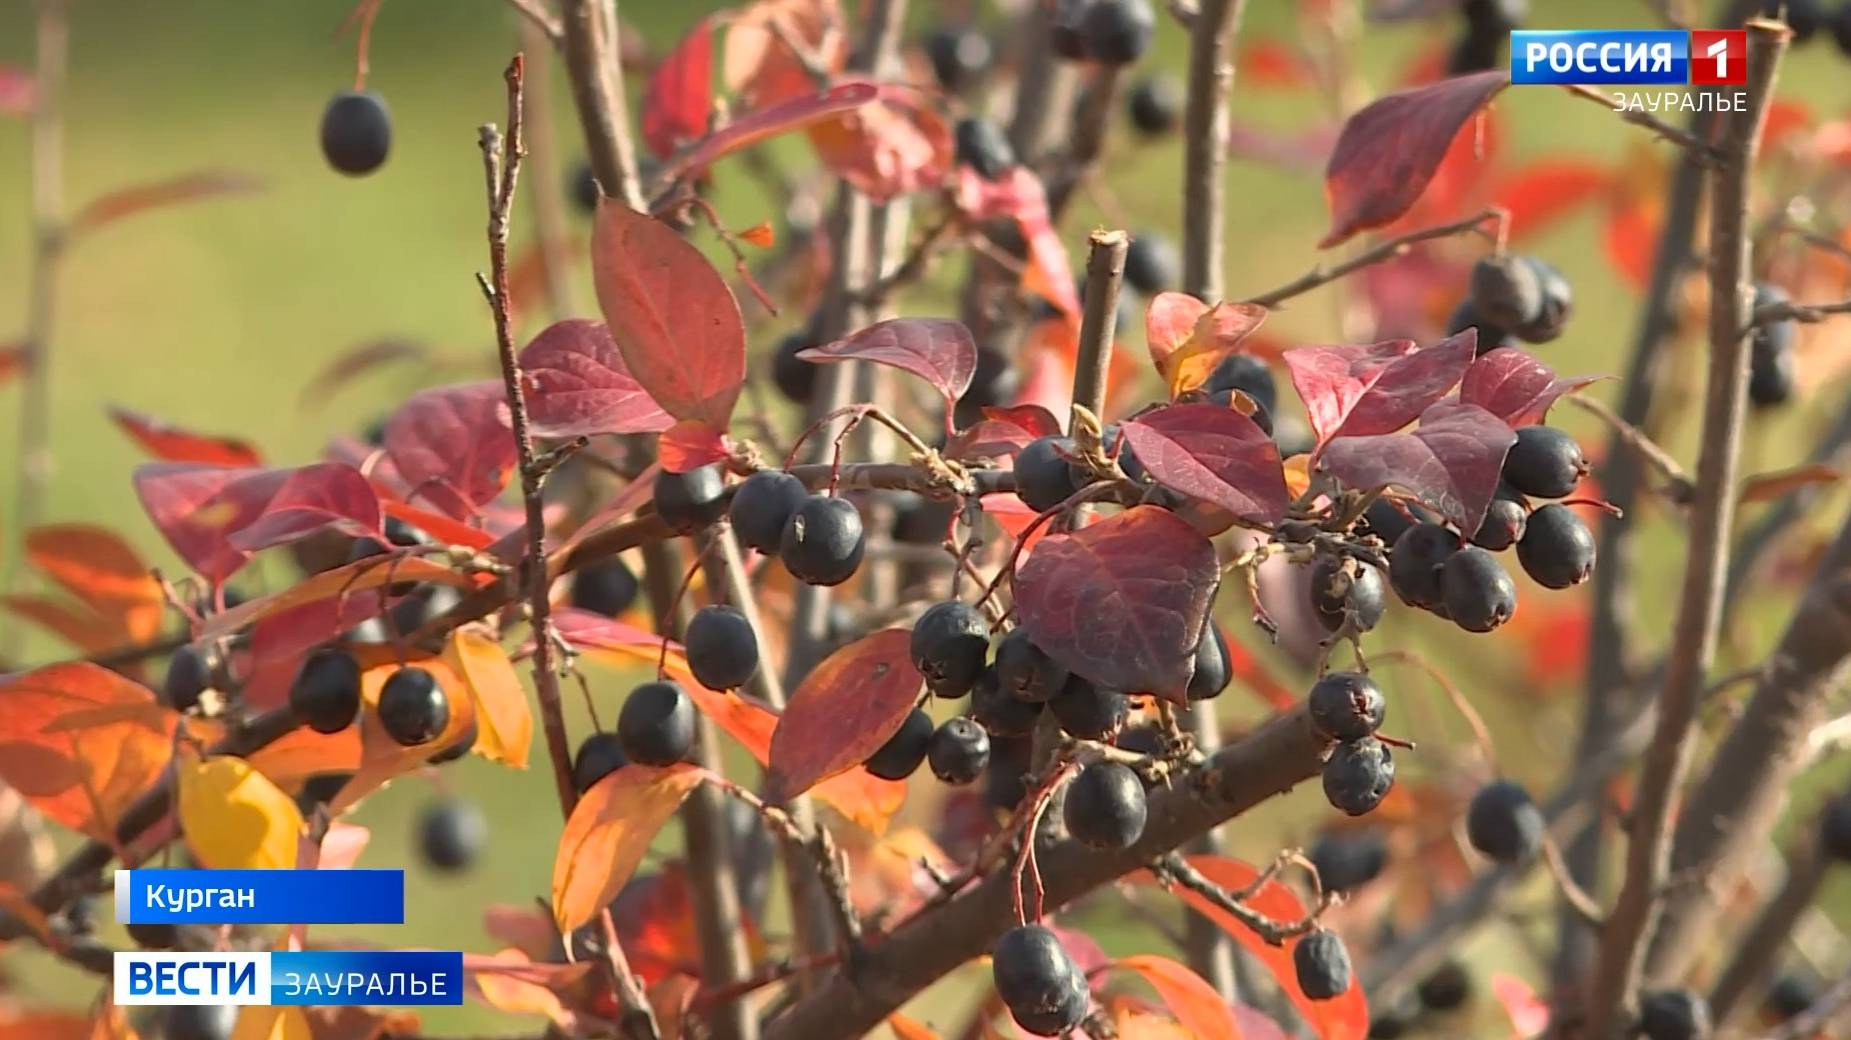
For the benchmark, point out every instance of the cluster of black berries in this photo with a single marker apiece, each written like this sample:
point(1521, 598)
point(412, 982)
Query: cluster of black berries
point(818, 538)
point(1110, 32)
point(1488, 24)
point(1045, 991)
point(356, 132)
point(1347, 707)
point(1770, 350)
point(1807, 17)
point(1514, 297)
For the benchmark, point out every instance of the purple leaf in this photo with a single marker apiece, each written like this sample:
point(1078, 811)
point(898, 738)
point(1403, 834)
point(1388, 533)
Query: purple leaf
point(1451, 462)
point(577, 384)
point(455, 439)
point(1356, 391)
point(1515, 387)
point(938, 350)
point(1122, 601)
point(1215, 454)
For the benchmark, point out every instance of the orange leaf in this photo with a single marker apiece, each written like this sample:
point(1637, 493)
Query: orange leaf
point(303, 753)
point(100, 569)
point(761, 235)
point(845, 709)
point(168, 442)
point(44, 1025)
point(517, 994)
point(1763, 487)
point(1217, 333)
point(81, 778)
point(381, 757)
point(504, 725)
point(908, 1029)
point(346, 580)
point(607, 834)
point(77, 626)
point(1544, 192)
point(1194, 1002)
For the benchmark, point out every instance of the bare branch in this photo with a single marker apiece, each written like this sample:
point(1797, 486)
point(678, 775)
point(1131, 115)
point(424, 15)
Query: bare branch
point(1212, 29)
point(1380, 253)
point(589, 41)
point(1677, 484)
point(1805, 313)
point(537, 16)
point(1684, 139)
point(1174, 867)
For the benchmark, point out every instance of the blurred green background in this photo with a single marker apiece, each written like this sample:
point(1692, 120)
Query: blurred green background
point(214, 315)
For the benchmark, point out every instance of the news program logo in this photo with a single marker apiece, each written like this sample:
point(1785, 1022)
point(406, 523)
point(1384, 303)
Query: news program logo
point(1630, 56)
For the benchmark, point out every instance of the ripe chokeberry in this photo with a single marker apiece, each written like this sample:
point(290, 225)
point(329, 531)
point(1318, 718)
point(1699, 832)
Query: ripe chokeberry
point(1674, 1014)
point(1835, 829)
point(1105, 807)
point(1490, 337)
point(959, 57)
point(1089, 711)
point(1386, 521)
point(1344, 587)
point(822, 543)
point(1349, 859)
point(189, 674)
point(656, 724)
point(451, 833)
point(1557, 301)
point(1037, 979)
point(1447, 988)
point(1151, 263)
point(1117, 32)
point(1212, 669)
point(1544, 462)
point(1557, 549)
point(982, 146)
point(1504, 823)
point(691, 501)
point(1506, 290)
point(1358, 775)
point(1504, 522)
point(1346, 706)
point(599, 756)
point(1322, 965)
point(762, 507)
point(1791, 994)
point(356, 132)
point(1045, 473)
point(1414, 564)
point(1476, 590)
point(1005, 781)
point(412, 707)
point(1025, 671)
point(958, 751)
point(794, 377)
point(1155, 104)
point(464, 743)
point(1250, 376)
point(902, 753)
point(1002, 714)
point(949, 643)
point(722, 648)
point(1771, 372)
point(606, 587)
point(993, 383)
point(199, 1022)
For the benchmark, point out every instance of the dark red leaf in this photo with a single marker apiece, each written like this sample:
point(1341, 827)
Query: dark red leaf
point(1122, 601)
point(1215, 454)
point(689, 445)
point(1514, 386)
point(577, 384)
point(1388, 151)
point(189, 187)
point(173, 493)
point(1379, 388)
point(770, 121)
point(680, 92)
point(1450, 462)
point(938, 350)
point(674, 320)
point(843, 712)
point(292, 503)
point(163, 440)
point(1034, 420)
point(455, 439)
point(988, 439)
point(18, 91)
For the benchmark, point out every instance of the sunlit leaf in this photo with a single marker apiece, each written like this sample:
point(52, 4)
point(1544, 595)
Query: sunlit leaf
point(843, 711)
point(233, 816)
point(168, 442)
point(457, 438)
point(607, 834)
point(577, 384)
point(679, 94)
point(938, 350)
point(1212, 453)
point(1512, 385)
point(1359, 390)
point(1451, 462)
point(504, 724)
point(1195, 1003)
point(82, 778)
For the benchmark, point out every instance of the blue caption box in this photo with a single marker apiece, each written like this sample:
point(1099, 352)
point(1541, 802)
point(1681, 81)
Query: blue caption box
point(340, 977)
point(1637, 56)
point(182, 896)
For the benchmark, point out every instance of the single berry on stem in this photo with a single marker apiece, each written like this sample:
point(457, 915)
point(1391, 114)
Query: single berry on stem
point(1506, 290)
point(1322, 965)
point(1544, 462)
point(1346, 706)
point(1504, 822)
point(1504, 522)
point(1447, 988)
point(1358, 775)
point(1155, 104)
point(1105, 807)
point(1117, 32)
point(982, 146)
point(656, 725)
point(356, 132)
point(1089, 711)
point(902, 753)
point(958, 751)
point(1557, 549)
point(1343, 587)
point(412, 707)
point(949, 644)
point(606, 587)
point(722, 648)
point(1002, 714)
point(822, 543)
point(599, 756)
point(692, 501)
point(451, 834)
point(762, 506)
point(1414, 563)
point(794, 377)
point(959, 57)
point(1152, 264)
point(1674, 1014)
point(1038, 980)
point(1046, 474)
point(1349, 859)
point(188, 676)
point(1476, 590)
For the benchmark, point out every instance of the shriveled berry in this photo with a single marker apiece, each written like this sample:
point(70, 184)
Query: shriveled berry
point(691, 501)
point(1490, 337)
point(188, 676)
point(762, 506)
point(1321, 964)
point(1476, 590)
point(1674, 1014)
point(822, 543)
point(451, 833)
point(1544, 462)
point(1037, 979)
point(722, 648)
point(1504, 823)
point(1155, 104)
point(949, 644)
point(1025, 671)
point(1504, 522)
point(1414, 563)
point(1212, 672)
point(1341, 586)
point(1835, 829)
point(1045, 473)
point(412, 707)
point(982, 146)
point(1151, 263)
point(1089, 711)
point(959, 57)
point(1447, 989)
point(1506, 290)
point(599, 756)
point(1117, 32)
point(902, 753)
point(656, 725)
point(1250, 376)
point(607, 587)
point(356, 132)
point(794, 377)
point(199, 1022)
point(1105, 806)
point(1557, 549)
point(1349, 859)
point(1000, 713)
point(958, 751)
point(1346, 706)
point(1358, 775)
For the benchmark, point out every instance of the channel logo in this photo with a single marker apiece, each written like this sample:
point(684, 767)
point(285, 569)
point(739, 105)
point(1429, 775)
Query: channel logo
point(290, 977)
point(1663, 57)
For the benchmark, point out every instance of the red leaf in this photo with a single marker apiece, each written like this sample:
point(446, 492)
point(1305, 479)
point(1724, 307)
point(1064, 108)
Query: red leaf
point(1123, 600)
point(1515, 387)
point(1379, 388)
point(671, 315)
point(1631, 230)
point(1188, 338)
point(938, 350)
point(286, 504)
point(1034, 420)
point(190, 187)
point(770, 121)
point(1271, 63)
point(1543, 192)
point(1021, 195)
point(1528, 1013)
point(680, 92)
point(1389, 150)
point(18, 91)
point(12, 361)
point(843, 712)
point(688, 445)
point(1450, 462)
point(455, 438)
point(1198, 1008)
point(894, 145)
point(576, 384)
point(988, 439)
point(172, 493)
point(607, 834)
point(1215, 454)
point(163, 440)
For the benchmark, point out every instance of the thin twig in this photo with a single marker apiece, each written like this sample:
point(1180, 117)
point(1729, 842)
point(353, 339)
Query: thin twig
point(1380, 253)
point(1805, 313)
point(1682, 138)
point(1678, 486)
point(1086, 138)
point(1173, 867)
point(536, 14)
point(1205, 134)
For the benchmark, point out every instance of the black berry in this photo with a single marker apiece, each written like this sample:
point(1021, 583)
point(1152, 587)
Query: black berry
point(1346, 706)
point(1155, 104)
point(762, 507)
point(1674, 1014)
point(598, 757)
point(949, 643)
point(1039, 983)
point(1557, 549)
point(1499, 15)
point(412, 707)
point(1064, 36)
point(1544, 463)
point(958, 751)
point(795, 378)
point(1341, 586)
point(1394, 1020)
point(1504, 522)
point(1250, 376)
point(1476, 590)
point(1145, 740)
point(1506, 291)
point(1447, 989)
point(607, 587)
point(822, 544)
point(188, 676)
point(1105, 806)
point(1791, 994)
point(1089, 711)
point(959, 57)
point(1046, 474)
point(1000, 713)
point(1802, 16)
point(1358, 775)
point(1004, 782)
point(1414, 563)
point(1557, 301)
point(722, 649)
point(464, 743)
point(656, 726)
point(1321, 964)
point(896, 759)
point(1212, 669)
point(1117, 32)
point(1490, 337)
point(1025, 671)
point(356, 132)
point(1386, 521)
point(1771, 372)
point(199, 1022)
point(1477, 51)
point(982, 146)
point(691, 501)
point(1151, 263)
point(1504, 823)
point(1835, 829)
point(1349, 859)
point(584, 188)
point(451, 834)
point(993, 383)
point(321, 789)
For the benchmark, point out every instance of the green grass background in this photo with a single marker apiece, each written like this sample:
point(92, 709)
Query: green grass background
point(214, 315)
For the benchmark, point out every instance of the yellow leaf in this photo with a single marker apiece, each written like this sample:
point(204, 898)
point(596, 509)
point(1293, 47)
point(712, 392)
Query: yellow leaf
point(610, 829)
point(1298, 475)
point(272, 1023)
point(504, 725)
point(233, 816)
point(510, 992)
